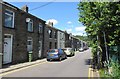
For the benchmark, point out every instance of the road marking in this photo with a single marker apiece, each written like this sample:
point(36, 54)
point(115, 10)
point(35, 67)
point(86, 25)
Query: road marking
point(3, 74)
point(89, 73)
point(92, 73)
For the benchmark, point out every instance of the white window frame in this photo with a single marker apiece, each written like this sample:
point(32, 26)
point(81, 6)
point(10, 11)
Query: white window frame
point(40, 28)
point(31, 21)
point(13, 16)
point(50, 33)
point(30, 39)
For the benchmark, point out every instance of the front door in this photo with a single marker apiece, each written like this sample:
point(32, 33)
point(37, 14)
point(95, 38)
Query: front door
point(40, 49)
point(7, 56)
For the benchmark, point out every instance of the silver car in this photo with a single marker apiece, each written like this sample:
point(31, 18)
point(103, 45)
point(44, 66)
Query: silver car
point(69, 51)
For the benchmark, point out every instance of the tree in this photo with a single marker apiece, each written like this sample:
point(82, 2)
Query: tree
point(101, 18)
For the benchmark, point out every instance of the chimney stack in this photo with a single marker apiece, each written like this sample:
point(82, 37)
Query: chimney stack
point(1, 1)
point(25, 8)
point(50, 23)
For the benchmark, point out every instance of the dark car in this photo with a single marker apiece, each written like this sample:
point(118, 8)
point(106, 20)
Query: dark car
point(56, 54)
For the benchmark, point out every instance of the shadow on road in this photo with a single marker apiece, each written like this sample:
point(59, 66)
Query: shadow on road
point(57, 60)
point(88, 61)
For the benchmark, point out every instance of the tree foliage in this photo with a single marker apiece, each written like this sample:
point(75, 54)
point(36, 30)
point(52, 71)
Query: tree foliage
point(98, 18)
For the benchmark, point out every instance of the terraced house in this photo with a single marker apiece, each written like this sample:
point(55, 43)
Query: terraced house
point(50, 38)
point(20, 33)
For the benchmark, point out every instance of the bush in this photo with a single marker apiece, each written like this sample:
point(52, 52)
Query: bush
point(115, 69)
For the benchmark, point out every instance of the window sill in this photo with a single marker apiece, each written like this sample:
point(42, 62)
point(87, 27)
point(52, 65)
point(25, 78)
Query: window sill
point(30, 31)
point(9, 27)
point(50, 38)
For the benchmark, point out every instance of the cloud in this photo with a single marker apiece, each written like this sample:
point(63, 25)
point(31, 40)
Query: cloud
point(69, 30)
point(80, 33)
point(52, 20)
point(81, 28)
point(69, 22)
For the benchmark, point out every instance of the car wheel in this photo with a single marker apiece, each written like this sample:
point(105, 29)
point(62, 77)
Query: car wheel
point(66, 57)
point(60, 58)
point(48, 59)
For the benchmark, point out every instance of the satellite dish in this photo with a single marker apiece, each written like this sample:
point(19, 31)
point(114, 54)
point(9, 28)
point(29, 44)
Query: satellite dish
point(28, 19)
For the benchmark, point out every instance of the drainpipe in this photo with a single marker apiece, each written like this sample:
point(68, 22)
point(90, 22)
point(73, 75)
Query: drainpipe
point(43, 40)
point(1, 48)
point(0, 60)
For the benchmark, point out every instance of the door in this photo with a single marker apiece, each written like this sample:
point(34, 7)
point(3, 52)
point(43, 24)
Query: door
point(7, 55)
point(29, 44)
point(40, 49)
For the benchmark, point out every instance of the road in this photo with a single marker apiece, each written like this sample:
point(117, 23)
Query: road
point(76, 66)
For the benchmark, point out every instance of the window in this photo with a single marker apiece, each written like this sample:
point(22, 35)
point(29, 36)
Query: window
point(29, 44)
point(30, 26)
point(40, 28)
point(55, 45)
point(9, 19)
point(50, 33)
point(55, 34)
point(60, 36)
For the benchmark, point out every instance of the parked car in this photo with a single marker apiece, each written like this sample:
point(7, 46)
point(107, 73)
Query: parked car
point(81, 49)
point(69, 51)
point(56, 54)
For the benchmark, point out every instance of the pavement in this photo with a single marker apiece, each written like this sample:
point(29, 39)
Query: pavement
point(92, 73)
point(7, 68)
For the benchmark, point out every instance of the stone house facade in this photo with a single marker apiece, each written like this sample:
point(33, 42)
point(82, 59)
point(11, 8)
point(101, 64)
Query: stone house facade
point(50, 38)
point(60, 39)
point(21, 33)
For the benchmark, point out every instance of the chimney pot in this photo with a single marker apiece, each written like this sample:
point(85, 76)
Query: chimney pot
point(25, 8)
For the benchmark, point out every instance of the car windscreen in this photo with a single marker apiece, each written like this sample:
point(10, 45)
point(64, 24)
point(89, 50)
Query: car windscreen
point(52, 50)
point(64, 49)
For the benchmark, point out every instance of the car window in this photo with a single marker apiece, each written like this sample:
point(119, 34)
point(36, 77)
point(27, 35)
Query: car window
point(64, 49)
point(51, 50)
point(69, 49)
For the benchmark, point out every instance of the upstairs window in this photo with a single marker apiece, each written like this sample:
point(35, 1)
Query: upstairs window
point(50, 33)
point(55, 34)
point(50, 45)
point(30, 26)
point(9, 19)
point(55, 45)
point(40, 28)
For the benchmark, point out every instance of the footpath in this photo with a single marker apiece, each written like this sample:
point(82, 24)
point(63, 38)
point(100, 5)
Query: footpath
point(7, 68)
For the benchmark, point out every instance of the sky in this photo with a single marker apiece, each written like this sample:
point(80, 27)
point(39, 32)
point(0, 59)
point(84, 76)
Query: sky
point(64, 15)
